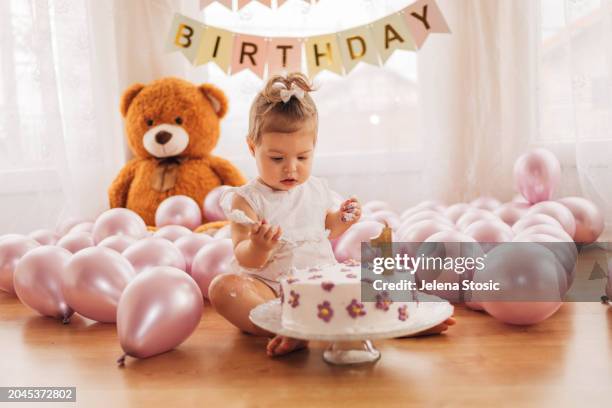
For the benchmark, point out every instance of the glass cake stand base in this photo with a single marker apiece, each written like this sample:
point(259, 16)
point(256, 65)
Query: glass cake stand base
point(351, 352)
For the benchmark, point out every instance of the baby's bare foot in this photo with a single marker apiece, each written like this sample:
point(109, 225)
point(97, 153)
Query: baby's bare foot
point(281, 345)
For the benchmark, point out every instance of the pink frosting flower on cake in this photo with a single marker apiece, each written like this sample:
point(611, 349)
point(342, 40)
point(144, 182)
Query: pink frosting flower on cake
point(402, 312)
point(315, 277)
point(292, 280)
point(355, 309)
point(328, 286)
point(295, 299)
point(325, 311)
point(383, 301)
point(351, 275)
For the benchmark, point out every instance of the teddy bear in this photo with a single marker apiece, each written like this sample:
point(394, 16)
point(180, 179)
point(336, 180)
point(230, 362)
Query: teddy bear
point(172, 126)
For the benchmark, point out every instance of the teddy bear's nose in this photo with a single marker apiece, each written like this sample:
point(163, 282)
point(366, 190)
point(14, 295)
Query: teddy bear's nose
point(163, 137)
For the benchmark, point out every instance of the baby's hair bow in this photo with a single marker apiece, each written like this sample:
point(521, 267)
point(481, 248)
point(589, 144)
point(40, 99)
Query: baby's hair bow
point(286, 94)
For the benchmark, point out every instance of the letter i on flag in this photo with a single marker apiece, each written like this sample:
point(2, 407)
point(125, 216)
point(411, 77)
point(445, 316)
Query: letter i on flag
point(424, 17)
point(284, 55)
point(249, 52)
point(216, 46)
point(322, 53)
point(185, 36)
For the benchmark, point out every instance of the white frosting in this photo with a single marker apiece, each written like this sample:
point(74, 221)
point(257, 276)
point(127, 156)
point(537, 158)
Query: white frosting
point(327, 300)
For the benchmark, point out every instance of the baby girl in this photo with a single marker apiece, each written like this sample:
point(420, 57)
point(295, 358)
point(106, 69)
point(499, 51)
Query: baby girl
point(285, 217)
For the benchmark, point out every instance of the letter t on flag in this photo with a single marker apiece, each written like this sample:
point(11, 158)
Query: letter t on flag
point(284, 55)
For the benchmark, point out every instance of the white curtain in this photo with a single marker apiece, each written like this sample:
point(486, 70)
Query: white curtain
point(478, 96)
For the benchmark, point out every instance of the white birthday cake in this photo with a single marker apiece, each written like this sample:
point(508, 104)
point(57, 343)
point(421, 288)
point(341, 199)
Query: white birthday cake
point(327, 300)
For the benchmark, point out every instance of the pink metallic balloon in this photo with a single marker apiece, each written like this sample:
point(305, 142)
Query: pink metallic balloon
point(411, 238)
point(536, 175)
point(486, 203)
point(12, 236)
point(172, 232)
point(388, 216)
point(93, 282)
point(76, 241)
point(527, 221)
point(117, 243)
point(529, 276)
point(38, 281)
point(12, 248)
point(546, 229)
point(224, 232)
point(453, 212)
point(158, 311)
point(44, 236)
point(189, 246)
point(489, 231)
point(118, 221)
point(473, 215)
point(559, 212)
point(179, 210)
point(349, 243)
point(212, 205)
point(589, 219)
point(151, 252)
point(64, 226)
point(212, 260)
point(511, 212)
point(86, 226)
point(422, 215)
point(374, 206)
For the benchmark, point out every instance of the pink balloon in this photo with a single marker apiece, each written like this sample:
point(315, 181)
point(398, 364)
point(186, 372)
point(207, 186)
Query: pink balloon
point(86, 226)
point(64, 226)
point(44, 237)
point(411, 238)
point(12, 248)
point(511, 212)
point(390, 217)
point(38, 281)
point(589, 219)
point(172, 232)
point(529, 276)
point(486, 203)
point(473, 215)
point(151, 252)
point(534, 219)
point(349, 243)
point(455, 211)
point(119, 221)
point(224, 232)
point(210, 261)
point(12, 236)
point(431, 215)
point(536, 175)
point(546, 229)
point(489, 231)
point(374, 206)
point(93, 282)
point(189, 246)
point(158, 311)
point(449, 246)
point(559, 212)
point(212, 205)
point(117, 243)
point(76, 241)
point(179, 210)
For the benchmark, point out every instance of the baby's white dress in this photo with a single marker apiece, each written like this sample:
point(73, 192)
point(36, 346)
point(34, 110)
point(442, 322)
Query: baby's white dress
point(300, 212)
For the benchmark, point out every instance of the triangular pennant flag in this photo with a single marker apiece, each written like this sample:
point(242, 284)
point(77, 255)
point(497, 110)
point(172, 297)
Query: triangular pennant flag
point(250, 52)
point(322, 53)
point(242, 3)
point(204, 3)
point(284, 55)
point(390, 34)
point(216, 46)
point(185, 36)
point(267, 3)
point(280, 2)
point(424, 17)
point(226, 3)
point(356, 45)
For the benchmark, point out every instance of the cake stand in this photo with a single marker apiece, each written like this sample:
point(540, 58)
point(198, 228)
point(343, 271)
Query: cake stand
point(357, 348)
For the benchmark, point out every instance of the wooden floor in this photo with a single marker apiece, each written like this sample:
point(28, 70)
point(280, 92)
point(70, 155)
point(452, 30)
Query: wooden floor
point(564, 361)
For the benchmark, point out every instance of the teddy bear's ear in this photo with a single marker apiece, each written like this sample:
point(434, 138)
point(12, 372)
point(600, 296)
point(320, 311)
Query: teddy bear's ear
point(216, 97)
point(128, 97)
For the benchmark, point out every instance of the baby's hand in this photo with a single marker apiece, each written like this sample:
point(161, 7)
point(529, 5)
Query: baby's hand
point(265, 236)
point(350, 210)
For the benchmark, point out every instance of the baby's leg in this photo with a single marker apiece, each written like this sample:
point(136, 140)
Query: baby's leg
point(233, 296)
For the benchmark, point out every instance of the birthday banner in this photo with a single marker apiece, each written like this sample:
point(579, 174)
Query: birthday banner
point(338, 52)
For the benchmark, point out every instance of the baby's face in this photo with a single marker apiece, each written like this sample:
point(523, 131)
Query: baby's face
point(284, 160)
